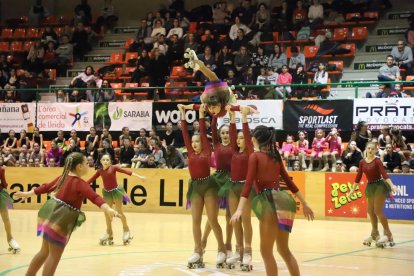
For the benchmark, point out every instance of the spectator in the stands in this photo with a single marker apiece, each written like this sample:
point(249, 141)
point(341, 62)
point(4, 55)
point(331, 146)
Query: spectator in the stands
point(233, 34)
point(277, 58)
point(10, 95)
point(184, 21)
point(157, 70)
point(158, 29)
point(167, 21)
point(383, 92)
point(3, 79)
point(351, 157)
point(179, 140)
point(300, 15)
point(284, 78)
point(320, 80)
point(37, 13)
point(315, 14)
point(296, 58)
point(54, 152)
point(34, 60)
point(392, 161)
point(5, 64)
point(248, 78)
point(142, 67)
point(410, 36)
point(158, 17)
point(232, 78)
point(69, 149)
point(245, 12)
point(83, 13)
point(399, 142)
point(220, 13)
point(262, 18)
point(175, 50)
point(405, 167)
point(82, 79)
point(80, 40)
point(362, 135)
point(208, 58)
point(90, 151)
point(207, 40)
point(65, 55)
point(77, 96)
point(259, 59)
point(107, 149)
point(403, 56)
point(13, 79)
point(175, 159)
point(50, 55)
point(141, 153)
point(150, 162)
point(107, 21)
point(143, 39)
point(241, 60)
point(67, 30)
point(49, 35)
point(176, 29)
point(240, 41)
point(168, 136)
point(389, 72)
point(191, 42)
point(61, 96)
point(161, 44)
point(268, 76)
point(127, 154)
point(105, 94)
point(281, 19)
point(8, 158)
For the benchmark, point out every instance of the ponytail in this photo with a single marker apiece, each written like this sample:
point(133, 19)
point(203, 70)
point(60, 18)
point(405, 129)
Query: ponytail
point(266, 137)
point(71, 162)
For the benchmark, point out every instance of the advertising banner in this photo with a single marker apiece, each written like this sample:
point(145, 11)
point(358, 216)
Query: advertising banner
point(64, 116)
point(270, 114)
point(312, 115)
point(116, 115)
point(17, 116)
point(378, 112)
point(338, 203)
point(402, 207)
point(299, 179)
point(164, 112)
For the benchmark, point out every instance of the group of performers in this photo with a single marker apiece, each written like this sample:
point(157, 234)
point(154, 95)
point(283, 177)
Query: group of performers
point(249, 167)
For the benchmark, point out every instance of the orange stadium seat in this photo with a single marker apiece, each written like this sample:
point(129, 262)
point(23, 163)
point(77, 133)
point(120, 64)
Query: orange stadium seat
point(6, 34)
point(27, 45)
point(128, 42)
point(4, 46)
point(116, 58)
point(19, 34)
point(359, 33)
point(16, 46)
point(310, 51)
point(130, 55)
point(32, 33)
point(288, 51)
point(340, 34)
point(118, 88)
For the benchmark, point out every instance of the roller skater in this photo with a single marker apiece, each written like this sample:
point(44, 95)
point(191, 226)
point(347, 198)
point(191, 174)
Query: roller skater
point(379, 187)
point(14, 246)
point(195, 261)
point(246, 264)
point(106, 239)
point(373, 238)
point(127, 238)
point(232, 259)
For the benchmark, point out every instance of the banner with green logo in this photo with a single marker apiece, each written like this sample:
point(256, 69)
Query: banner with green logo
point(116, 115)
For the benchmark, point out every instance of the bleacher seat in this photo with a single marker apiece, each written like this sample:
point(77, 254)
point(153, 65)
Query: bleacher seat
point(340, 34)
point(179, 72)
point(128, 42)
point(310, 51)
point(19, 34)
point(130, 56)
point(4, 46)
point(16, 46)
point(32, 33)
point(359, 33)
point(116, 58)
point(118, 87)
point(6, 33)
point(27, 45)
point(408, 87)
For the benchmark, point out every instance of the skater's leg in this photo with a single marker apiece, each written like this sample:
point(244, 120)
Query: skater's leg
point(247, 225)
point(282, 242)
point(238, 230)
point(312, 157)
point(212, 208)
point(196, 213)
point(206, 233)
point(6, 221)
point(109, 224)
point(53, 259)
point(39, 259)
point(229, 230)
point(118, 206)
point(325, 157)
point(268, 229)
point(379, 200)
point(373, 218)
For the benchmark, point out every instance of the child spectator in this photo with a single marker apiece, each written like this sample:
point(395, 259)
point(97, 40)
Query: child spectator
point(54, 153)
point(150, 162)
point(351, 157)
point(127, 154)
point(284, 78)
point(175, 159)
point(8, 158)
point(392, 161)
point(318, 146)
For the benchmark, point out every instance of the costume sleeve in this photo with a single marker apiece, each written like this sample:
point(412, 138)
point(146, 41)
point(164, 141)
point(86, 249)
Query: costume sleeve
point(381, 169)
point(248, 139)
point(359, 175)
point(203, 136)
point(46, 188)
point(93, 178)
point(3, 178)
point(186, 136)
point(122, 170)
point(292, 187)
point(251, 175)
point(235, 108)
point(214, 132)
point(233, 136)
point(87, 192)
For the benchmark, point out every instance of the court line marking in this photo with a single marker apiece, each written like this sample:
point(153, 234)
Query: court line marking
point(351, 252)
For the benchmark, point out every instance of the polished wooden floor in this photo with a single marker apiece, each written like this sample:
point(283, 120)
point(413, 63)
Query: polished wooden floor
point(162, 243)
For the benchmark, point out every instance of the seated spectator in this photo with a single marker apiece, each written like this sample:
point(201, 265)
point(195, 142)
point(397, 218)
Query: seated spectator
point(80, 41)
point(383, 92)
point(207, 40)
point(392, 160)
point(284, 78)
point(167, 136)
point(224, 61)
point(184, 21)
point(81, 80)
point(191, 42)
point(10, 95)
point(241, 60)
point(161, 44)
point(3, 79)
point(176, 29)
point(124, 135)
point(50, 55)
point(54, 152)
point(410, 37)
point(11, 141)
point(175, 159)
point(220, 13)
point(277, 58)
point(8, 158)
point(105, 135)
point(142, 67)
point(69, 149)
point(141, 152)
point(157, 70)
point(106, 149)
point(262, 18)
point(267, 76)
point(179, 140)
point(259, 59)
point(300, 15)
point(175, 50)
point(127, 154)
point(37, 154)
point(150, 163)
point(67, 31)
point(24, 152)
point(90, 151)
point(403, 56)
point(107, 21)
point(37, 13)
point(296, 166)
point(399, 143)
point(38, 164)
point(83, 13)
point(158, 30)
point(65, 55)
point(34, 60)
point(351, 157)
point(389, 72)
point(156, 147)
point(104, 94)
point(281, 17)
point(23, 162)
point(74, 136)
point(158, 17)
point(143, 38)
point(231, 78)
point(296, 58)
point(321, 79)
point(405, 167)
point(299, 76)
point(237, 26)
point(60, 139)
point(315, 14)
point(162, 164)
point(339, 166)
point(30, 163)
point(77, 96)
point(247, 78)
point(52, 163)
point(49, 35)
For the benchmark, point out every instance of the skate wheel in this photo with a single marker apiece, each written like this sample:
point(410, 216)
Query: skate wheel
point(111, 243)
point(392, 244)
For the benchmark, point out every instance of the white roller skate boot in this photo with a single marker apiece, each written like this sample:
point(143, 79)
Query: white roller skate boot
point(373, 238)
point(126, 238)
point(221, 260)
point(192, 60)
point(246, 264)
point(385, 241)
point(232, 259)
point(195, 261)
point(14, 247)
point(106, 239)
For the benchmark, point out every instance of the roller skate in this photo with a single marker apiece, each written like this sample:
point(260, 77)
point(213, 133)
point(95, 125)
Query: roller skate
point(232, 259)
point(373, 238)
point(126, 238)
point(246, 264)
point(385, 241)
point(221, 260)
point(192, 60)
point(195, 261)
point(106, 240)
point(14, 246)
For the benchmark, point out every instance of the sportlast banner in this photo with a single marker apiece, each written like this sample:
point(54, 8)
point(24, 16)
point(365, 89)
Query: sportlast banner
point(320, 114)
point(377, 112)
point(339, 204)
point(270, 114)
point(17, 116)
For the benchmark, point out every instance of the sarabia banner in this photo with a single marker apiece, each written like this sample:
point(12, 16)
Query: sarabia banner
point(270, 114)
point(164, 112)
point(116, 115)
point(65, 116)
point(402, 207)
point(312, 115)
point(377, 112)
point(337, 201)
point(17, 116)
